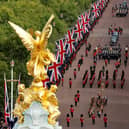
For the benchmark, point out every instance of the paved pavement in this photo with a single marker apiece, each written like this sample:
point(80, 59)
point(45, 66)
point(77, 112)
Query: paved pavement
point(118, 104)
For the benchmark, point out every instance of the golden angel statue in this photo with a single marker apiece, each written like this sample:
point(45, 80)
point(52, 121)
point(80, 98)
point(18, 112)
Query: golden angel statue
point(40, 55)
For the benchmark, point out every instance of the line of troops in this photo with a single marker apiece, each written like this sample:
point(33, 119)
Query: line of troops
point(120, 9)
point(112, 29)
point(100, 77)
point(107, 52)
point(97, 105)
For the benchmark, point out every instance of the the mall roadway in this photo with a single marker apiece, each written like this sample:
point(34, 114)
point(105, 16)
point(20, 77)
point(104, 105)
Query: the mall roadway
point(118, 104)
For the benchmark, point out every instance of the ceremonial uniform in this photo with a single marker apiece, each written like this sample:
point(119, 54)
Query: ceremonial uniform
point(78, 67)
point(81, 120)
point(68, 120)
point(114, 83)
point(70, 82)
point(82, 59)
point(123, 74)
point(71, 110)
point(85, 78)
point(105, 120)
point(106, 62)
point(75, 73)
point(122, 82)
point(125, 62)
point(93, 119)
point(75, 100)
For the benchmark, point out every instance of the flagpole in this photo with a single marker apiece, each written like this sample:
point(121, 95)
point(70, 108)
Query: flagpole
point(12, 65)
point(4, 97)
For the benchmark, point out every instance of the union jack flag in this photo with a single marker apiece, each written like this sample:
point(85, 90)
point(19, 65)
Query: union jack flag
point(102, 4)
point(79, 31)
point(70, 41)
point(54, 71)
point(85, 21)
point(61, 50)
point(6, 101)
point(95, 10)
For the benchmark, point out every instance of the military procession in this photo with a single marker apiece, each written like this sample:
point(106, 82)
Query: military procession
point(89, 70)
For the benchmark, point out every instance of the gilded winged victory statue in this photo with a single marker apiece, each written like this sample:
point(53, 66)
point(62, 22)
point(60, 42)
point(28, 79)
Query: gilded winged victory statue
point(40, 58)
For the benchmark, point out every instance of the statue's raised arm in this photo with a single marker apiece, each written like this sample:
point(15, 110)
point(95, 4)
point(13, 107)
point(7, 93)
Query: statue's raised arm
point(40, 55)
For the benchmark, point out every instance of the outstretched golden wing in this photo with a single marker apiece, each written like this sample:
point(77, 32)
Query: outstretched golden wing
point(26, 38)
point(46, 32)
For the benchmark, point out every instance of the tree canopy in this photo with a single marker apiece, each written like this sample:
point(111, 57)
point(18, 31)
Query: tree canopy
point(31, 14)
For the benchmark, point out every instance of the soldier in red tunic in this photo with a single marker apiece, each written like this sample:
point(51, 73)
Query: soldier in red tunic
point(93, 118)
point(81, 120)
point(75, 73)
point(78, 95)
point(68, 120)
point(105, 120)
point(70, 82)
point(75, 100)
point(106, 62)
point(78, 67)
point(82, 58)
point(71, 110)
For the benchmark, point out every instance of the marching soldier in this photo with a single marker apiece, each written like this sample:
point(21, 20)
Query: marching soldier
point(85, 78)
point(103, 70)
point(70, 82)
point(105, 120)
point(99, 78)
point(75, 100)
point(123, 74)
point(114, 83)
point(71, 110)
point(106, 62)
point(81, 120)
point(68, 120)
point(75, 73)
point(93, 118)
point(82, 59)
point(125, 62)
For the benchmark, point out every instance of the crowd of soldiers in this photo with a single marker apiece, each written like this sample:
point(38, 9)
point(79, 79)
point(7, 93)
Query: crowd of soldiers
point(114, 28)
point(107, 52)
point(96, 108)
point(120, 9)
point(97, 105)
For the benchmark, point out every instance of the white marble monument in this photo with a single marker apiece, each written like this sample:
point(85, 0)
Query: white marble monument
point(36, 118)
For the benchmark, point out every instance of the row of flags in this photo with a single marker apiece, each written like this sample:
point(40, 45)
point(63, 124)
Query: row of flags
point(65, 47)
point(68, 44)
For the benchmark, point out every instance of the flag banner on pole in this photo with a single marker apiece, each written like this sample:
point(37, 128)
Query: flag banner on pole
point(6, 101)
point(66, 46)
point(61, 50)
point(70, 40)
point(85, 22)
point(95, 10)
point(54, 72)
point(78, 30)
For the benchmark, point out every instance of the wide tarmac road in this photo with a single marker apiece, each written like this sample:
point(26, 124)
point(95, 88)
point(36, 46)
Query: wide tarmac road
point(117, 108)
